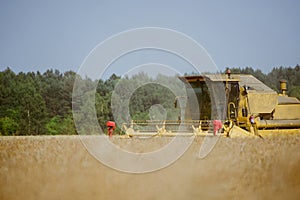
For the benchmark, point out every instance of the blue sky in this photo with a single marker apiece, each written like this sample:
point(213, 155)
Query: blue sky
point(38, 35)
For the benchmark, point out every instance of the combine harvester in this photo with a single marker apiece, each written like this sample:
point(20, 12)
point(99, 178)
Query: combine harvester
point(241, 103)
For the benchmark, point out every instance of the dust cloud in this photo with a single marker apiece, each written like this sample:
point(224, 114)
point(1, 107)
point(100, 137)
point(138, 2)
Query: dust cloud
point(59, 167)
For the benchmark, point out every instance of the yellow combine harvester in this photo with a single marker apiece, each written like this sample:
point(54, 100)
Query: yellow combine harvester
point(241, 102)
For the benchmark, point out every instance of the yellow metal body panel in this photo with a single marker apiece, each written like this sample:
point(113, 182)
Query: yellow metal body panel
point(262, 103)
point(287, 111)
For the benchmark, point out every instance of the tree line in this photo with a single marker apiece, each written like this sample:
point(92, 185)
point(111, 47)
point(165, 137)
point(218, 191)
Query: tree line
point(37, 103)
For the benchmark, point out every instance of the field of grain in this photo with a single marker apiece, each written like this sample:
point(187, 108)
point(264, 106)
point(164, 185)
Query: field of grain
point(59, 167)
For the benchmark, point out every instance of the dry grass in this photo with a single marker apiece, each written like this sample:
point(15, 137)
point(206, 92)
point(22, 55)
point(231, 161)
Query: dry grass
point(48, 167)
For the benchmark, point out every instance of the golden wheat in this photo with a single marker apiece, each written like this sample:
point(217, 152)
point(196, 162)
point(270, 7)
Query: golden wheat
point(59, 167)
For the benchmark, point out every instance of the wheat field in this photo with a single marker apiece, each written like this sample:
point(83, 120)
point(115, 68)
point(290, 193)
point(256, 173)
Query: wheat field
point(59, 167)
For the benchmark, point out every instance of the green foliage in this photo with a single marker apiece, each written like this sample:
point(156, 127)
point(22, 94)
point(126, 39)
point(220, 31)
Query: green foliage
point(58, 125)
point(294, 91)
point(32, 99)
point(8, 126)
point(53, 127)
point(149, 95)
